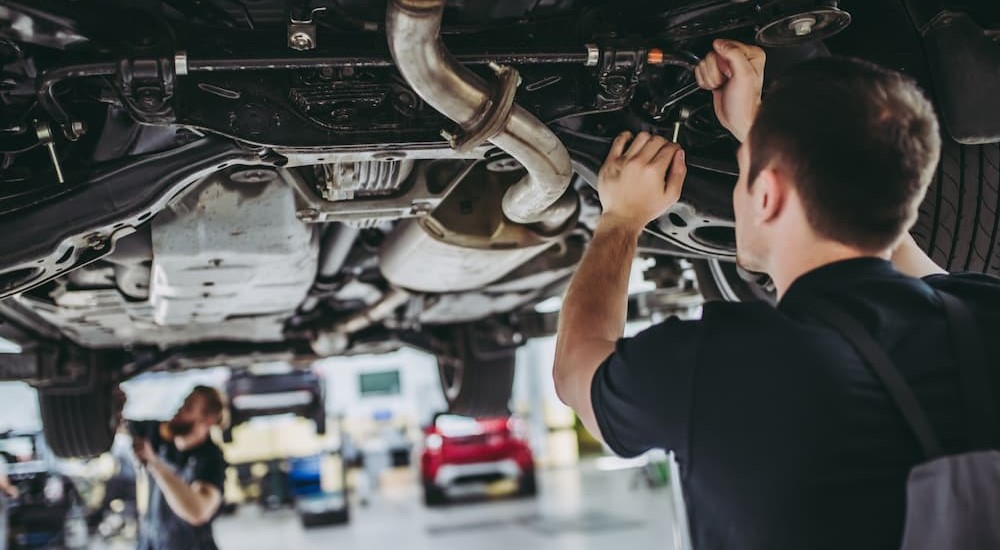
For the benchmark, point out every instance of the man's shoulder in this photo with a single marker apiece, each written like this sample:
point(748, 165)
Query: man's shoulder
point(211, 455)
point(719, 322)
point(980, 291)
point(754, 308)
point(210, 449)
point(733, 318)
point(748, 316)
point(965, 282)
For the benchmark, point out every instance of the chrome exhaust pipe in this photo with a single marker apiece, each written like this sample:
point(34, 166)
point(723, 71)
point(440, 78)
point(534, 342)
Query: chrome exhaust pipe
point(413, 28)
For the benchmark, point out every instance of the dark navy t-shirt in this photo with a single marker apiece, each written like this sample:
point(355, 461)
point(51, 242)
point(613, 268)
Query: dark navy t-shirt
point(161, 528)
point(784, 437)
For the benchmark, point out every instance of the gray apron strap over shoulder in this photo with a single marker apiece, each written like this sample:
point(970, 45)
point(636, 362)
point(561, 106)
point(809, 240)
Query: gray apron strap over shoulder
point(980, 408)
point(952, 501)
point(883, 368)
point(973, 372)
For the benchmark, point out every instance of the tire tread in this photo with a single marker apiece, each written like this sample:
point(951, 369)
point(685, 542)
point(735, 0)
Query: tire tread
point(78, 426)
point(958, 225)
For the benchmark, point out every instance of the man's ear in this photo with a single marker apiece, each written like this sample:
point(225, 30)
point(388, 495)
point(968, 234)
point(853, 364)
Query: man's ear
point(770, 194)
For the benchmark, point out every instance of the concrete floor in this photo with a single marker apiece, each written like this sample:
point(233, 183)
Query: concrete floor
point(579, 508)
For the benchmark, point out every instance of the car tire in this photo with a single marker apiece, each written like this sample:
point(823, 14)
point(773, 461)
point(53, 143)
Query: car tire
point(434, 496)
point(958, 225)
point(528, 485)
point(336, 517)
point(80, 424)
point(320, 420)
point(720, 281)
point(475, 382)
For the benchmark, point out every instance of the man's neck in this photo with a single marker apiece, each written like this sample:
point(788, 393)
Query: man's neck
point(794, 261)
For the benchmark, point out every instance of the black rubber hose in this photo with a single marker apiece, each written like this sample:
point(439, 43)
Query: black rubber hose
point(18, 143)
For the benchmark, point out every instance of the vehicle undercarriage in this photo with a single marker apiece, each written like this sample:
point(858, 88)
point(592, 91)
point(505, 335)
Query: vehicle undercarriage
point(195, 183)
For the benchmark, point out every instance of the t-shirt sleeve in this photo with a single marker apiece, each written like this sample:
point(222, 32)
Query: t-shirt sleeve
point(211, 468)
point(642, 393)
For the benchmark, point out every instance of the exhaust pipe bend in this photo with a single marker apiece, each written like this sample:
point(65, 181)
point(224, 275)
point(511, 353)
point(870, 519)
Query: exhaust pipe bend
point(413, 28)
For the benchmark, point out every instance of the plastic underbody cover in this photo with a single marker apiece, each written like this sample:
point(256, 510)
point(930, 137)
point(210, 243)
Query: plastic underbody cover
point(231, 249)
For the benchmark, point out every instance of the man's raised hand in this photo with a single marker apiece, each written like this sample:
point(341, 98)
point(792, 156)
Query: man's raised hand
point(734, 72)
point(642, 179)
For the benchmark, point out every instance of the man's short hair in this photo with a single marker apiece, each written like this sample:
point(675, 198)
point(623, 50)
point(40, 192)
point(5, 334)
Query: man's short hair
point(860, 143)
point(212, 403)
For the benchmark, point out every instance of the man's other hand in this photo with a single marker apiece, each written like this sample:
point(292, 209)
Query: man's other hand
point(734, 72)
point(11, 491)
point(143, 450)
point(639, 183)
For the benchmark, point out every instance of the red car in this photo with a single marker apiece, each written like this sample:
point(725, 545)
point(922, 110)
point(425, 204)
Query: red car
point(464, 455)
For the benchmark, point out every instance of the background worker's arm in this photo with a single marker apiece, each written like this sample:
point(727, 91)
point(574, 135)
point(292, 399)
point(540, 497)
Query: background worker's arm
point(6, 486)
point(195, 503)
point(636, 186)
point(910, 259)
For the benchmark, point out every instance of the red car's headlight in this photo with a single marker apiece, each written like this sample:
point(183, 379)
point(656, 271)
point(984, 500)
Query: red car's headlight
point(433, 442)
point(518, 429)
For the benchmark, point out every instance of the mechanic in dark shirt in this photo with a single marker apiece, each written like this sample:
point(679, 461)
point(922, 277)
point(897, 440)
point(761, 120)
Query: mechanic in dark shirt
point(784, 437)
point(187, 472)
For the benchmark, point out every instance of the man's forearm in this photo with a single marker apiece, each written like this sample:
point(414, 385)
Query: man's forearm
point(187, 503)
point(597, 299)
point(4, 481)
point(595, 308)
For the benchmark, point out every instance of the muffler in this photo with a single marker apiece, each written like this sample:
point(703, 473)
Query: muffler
point(413, 28)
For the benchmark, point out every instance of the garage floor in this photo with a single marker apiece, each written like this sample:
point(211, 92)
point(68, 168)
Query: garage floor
point(577, 508)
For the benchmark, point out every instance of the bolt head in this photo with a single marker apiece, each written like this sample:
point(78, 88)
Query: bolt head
point(307, 214)
point(803, 26)
point(95, 241)
point(421, 208)
point(593, 55)
point(301, 41)
point(148, 99)
point(449, 137)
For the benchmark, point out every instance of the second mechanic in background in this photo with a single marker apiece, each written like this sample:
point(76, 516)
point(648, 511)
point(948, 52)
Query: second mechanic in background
point(186, 473)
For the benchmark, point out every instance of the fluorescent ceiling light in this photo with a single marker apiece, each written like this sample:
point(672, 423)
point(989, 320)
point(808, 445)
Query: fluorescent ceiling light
point(282, 400)
point(275, 367)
